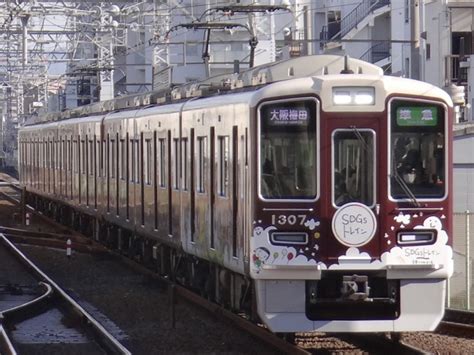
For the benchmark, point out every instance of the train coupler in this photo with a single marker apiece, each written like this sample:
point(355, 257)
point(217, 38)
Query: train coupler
point(355, 287)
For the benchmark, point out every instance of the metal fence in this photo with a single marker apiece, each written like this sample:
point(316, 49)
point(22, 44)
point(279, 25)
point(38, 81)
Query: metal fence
point(461, 284)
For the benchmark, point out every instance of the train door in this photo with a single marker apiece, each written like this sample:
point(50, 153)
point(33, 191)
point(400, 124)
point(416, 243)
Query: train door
point(352, 182)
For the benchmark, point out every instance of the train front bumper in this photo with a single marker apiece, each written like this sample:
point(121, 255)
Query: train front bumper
point(284, 304)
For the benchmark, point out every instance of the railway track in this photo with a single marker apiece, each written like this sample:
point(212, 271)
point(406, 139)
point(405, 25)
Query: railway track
point(84, 244)
point(50, 298)
point(305, 343)
point(457, 322)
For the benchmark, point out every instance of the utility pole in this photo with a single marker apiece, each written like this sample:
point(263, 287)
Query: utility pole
point(415, 39)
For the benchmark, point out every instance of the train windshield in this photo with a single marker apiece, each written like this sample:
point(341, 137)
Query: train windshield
point(353, 159)
point(418, 168)
point(288, 150)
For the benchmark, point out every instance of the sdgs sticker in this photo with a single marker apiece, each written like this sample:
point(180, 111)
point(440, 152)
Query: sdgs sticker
point(354, 224)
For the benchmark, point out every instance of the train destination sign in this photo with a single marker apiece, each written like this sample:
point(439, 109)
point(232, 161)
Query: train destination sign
point(354, 224)
point(417, 116)
point(286, 116)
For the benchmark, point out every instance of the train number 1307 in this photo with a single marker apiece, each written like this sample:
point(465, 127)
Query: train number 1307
point(291, 219)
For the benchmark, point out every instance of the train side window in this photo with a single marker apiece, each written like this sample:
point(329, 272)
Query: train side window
point(288, 150)
point(353, 162)
point(201, 164)
point(223, 169)
point(417, 152)
point(162, 162)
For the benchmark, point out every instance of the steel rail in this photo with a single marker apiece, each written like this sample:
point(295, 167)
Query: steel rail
point(27, 306)
point(6, 346)
point(445, 326)
point(99, 332)
point(213, 308)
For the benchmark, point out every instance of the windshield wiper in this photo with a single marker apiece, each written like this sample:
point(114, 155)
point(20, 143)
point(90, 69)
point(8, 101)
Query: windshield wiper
point(359, 136)
point(405, 188)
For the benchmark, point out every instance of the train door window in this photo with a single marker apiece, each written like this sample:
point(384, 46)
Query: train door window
point(123, 160)
point(91, 158)
point(68, 158)
point(162, 162)
point(138, 161)
point(148, 166)
point(176, 164)
point(74, 167)
point(83, 157)
point(353, 166)
point(112, 158)
point(98, 159)
point(185, 163)
point(417, 152)
point(223, 165)
point(132, 161)
point(288, 150)
point(201, 164)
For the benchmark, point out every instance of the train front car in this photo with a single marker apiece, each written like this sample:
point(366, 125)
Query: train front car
point(352, 204)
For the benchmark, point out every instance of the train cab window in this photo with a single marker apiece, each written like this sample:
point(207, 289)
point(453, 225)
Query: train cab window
point(353, 162)
point(288, 150)
point(417, 152)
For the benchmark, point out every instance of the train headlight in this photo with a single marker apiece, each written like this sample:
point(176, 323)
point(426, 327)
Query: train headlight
point(364, 98)
point(353, 96)
point(341, 98)
point(416, 237)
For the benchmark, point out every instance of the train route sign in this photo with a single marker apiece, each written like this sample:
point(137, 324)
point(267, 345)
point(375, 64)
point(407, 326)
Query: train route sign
point(354, 224)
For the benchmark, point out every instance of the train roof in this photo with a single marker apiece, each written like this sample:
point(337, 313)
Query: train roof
point(247, 80)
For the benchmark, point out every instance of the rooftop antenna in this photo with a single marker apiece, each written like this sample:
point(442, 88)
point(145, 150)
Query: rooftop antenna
point(346, 69)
